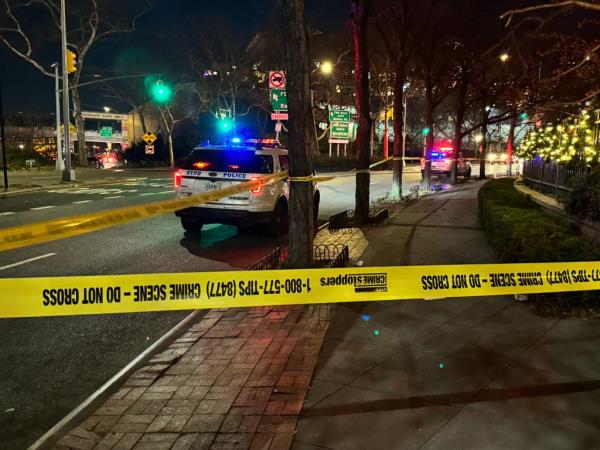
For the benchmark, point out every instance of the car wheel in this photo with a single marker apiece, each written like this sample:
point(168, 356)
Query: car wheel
point(190, 224)
point(280, 223)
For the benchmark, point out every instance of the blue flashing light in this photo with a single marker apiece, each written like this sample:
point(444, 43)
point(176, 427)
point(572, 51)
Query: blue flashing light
point(236, 140)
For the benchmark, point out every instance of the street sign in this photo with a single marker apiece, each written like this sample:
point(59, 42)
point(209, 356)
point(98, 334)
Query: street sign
point(339, 115)
point(278, 127)
point(276, 79)
point(339, 141)
point(279, 116)
point(72, 129)
point(279, 100)
point(149, 149)
point(106, 131)
point(340, 130)
point(149, 138)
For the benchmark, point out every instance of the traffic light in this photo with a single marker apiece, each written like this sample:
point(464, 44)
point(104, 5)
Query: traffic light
point(160, 92)
point(523, 115)
point(71, 61)
point(225, 124)
point(425, 131)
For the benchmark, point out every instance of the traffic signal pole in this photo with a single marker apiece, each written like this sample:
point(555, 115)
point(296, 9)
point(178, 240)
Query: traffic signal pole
point(60, 163)
point(68, 172)
point(3, 137)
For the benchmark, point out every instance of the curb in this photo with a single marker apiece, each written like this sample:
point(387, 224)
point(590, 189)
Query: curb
point(90, 404)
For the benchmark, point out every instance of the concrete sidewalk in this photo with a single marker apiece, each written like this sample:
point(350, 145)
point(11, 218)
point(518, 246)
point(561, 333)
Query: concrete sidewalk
point(468, 373)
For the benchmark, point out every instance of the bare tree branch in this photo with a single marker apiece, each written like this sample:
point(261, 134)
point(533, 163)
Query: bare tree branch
point(564, 4)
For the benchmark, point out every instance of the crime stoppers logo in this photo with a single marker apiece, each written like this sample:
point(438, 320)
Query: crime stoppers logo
point(368, 282)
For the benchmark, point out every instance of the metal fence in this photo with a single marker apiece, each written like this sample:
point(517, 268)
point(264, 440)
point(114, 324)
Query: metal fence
point(551, 178)
point(324, 255)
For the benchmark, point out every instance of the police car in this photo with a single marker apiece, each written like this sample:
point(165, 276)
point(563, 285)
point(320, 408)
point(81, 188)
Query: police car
point(214, 167)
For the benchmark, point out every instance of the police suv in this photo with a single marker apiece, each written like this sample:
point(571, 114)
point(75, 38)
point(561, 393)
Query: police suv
point(214, 167)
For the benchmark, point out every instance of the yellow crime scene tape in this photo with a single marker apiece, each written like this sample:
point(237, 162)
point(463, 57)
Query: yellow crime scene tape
point(64, 296)
point(65, 227)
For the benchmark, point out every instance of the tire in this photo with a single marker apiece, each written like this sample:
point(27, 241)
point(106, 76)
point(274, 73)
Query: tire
point(190, 224)
point(280, 223)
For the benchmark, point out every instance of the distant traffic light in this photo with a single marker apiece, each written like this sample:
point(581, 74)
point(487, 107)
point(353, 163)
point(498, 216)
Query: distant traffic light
point(71, 61)
point(160, 92)
point(425, 131)
point(225, 124)
point(523, 115)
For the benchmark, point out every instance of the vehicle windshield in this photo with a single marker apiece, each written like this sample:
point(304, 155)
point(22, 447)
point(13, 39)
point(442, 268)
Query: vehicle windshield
point(242, 161)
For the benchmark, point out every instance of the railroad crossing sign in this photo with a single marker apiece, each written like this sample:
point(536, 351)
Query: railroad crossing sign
point(279, 100)
point(340, 130)
point(149, 138)
point(149, 150)
point(276, 79)
point(339, 115)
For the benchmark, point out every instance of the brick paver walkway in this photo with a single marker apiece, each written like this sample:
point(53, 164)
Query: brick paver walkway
point(237, 379)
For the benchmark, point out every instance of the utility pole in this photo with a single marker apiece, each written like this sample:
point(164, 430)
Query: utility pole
point(3, 137)
point(60, 164)
point(68, 172)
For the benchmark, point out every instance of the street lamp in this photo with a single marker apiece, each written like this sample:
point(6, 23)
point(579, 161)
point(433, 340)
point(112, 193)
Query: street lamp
point(326, 68)
point(479, 138)
point(504, 57)
point(106, 109)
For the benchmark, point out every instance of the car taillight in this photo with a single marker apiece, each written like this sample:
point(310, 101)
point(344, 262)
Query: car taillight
point(201, 165)
point(177, 179)
point(256, 189)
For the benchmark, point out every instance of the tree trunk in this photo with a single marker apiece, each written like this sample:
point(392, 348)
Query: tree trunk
point(458, 135)
point(359, 13)
point(429, 109)
point(79, 125)
point(171, 152)
point(301, 135)
point(511, 143)
point(484, 142)
point(396, 192)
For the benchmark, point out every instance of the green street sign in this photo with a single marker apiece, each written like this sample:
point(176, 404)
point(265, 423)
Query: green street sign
point(106, 131)
point(279, 100)
point(340, 130)
point(339, 115)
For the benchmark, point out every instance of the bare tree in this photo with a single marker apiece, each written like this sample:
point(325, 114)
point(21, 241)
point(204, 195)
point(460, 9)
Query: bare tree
point(301, 140)
point(88, 22)
point(359, 14)
point(395, 24)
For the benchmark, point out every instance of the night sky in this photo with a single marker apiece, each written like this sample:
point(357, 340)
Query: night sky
point(28, 91)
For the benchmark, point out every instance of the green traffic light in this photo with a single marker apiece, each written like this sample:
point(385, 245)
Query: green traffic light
point(523, 115)
point(158, 91)
point(425, 131)
point(225, 124)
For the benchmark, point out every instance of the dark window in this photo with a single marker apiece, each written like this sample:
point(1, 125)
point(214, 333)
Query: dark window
point(229, 161)
point(284, 161)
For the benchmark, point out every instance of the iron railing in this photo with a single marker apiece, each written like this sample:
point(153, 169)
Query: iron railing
point(324, 255)
point(552, 178)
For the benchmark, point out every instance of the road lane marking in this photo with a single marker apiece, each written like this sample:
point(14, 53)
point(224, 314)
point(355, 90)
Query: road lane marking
point(166, 192)
point(82, 201)
point(8, 213)
point(42, 207)
point(114, 196)
point(148, 193)
point(25, 261)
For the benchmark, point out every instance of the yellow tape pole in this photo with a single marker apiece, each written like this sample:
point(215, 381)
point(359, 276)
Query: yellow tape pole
point(65, 296)
point(50, 230)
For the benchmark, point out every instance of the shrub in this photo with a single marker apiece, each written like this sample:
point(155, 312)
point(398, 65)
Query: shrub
point(584, 200)
point(520, 231)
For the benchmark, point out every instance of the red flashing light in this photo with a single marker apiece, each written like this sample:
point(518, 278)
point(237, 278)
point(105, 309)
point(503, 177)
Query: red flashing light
point(177, 179)
point(234, 167)
point(201, 165)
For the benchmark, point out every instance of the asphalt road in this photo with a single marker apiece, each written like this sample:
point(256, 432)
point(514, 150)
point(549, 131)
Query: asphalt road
point(50, 365)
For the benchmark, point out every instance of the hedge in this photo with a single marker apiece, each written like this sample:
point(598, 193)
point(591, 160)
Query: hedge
point(520, 232)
